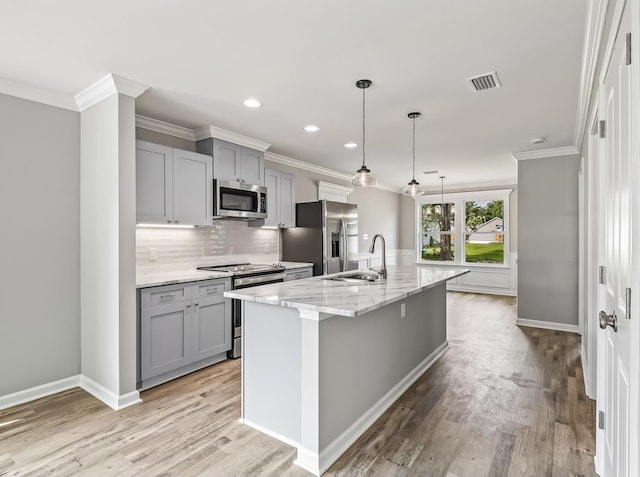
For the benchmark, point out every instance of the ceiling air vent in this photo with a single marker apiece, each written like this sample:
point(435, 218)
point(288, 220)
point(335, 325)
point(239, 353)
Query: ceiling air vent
point(484, 82)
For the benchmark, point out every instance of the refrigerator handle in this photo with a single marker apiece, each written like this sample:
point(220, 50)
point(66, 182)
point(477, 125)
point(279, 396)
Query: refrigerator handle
point(345, 249)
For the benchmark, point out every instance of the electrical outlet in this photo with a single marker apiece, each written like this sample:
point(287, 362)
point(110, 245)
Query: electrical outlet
point(365, 236)
point(153, 254)
point(403, 310)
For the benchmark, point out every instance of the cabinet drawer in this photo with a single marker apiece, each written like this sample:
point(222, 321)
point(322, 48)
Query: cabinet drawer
point(297, 275)
point(164, 295)
point(212, 288)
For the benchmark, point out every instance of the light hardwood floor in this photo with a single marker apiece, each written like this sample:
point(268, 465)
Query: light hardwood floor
point(503, 401)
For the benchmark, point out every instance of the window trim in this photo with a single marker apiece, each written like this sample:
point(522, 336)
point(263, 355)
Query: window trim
point(458, 199)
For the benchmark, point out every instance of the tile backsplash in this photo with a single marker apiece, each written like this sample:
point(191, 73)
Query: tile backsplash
point(227, 241)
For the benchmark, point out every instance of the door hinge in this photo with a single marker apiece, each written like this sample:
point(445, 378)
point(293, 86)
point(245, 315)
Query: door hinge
point(602, 129)
point(600, 419)
point(601, 274)
point(628, 48)
point(627, 304)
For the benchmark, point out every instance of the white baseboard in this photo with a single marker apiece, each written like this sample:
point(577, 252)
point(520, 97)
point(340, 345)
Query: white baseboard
point(268, 432)
point(547, 325)
point(317, 465)
point(487, 291)
point(37, 392)
point(309, 461)
point(111, 399)
point(78, 381)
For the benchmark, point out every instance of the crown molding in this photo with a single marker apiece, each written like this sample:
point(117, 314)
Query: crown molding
point(543, 153)
point(335, 188)
point(105, 87)
point(39, 95)
point(474, 187)
point(305, 166)
point(164, 128)
point(206, 132)
point(593, 37)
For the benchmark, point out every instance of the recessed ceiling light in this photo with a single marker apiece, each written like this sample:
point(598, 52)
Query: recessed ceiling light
point(252, 103)
point(350, 145)
point(311, 128)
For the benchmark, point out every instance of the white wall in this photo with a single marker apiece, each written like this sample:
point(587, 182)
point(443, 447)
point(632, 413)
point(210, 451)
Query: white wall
point(39, 244)
point(108, 247)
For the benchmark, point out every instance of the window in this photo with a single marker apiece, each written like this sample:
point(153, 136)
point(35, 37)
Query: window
point(484, 231)
point(482, 236)
point(438, 232)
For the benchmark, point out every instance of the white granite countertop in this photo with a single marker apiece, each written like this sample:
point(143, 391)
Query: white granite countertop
point(191, 275)
point(347, 298)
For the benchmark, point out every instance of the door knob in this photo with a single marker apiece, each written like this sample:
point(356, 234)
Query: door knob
point(611, 320)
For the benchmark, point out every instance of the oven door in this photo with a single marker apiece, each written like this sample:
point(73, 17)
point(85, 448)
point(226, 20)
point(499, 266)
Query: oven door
point(239, 200)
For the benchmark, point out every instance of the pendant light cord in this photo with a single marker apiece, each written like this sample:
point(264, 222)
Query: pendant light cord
point(363, 137)
point(414, 149)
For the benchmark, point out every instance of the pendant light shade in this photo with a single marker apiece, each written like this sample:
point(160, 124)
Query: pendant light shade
point(363, 177)
point(413, 188)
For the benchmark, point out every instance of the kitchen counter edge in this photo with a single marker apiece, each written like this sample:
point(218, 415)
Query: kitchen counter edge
point(193, 275)
point(371, 296)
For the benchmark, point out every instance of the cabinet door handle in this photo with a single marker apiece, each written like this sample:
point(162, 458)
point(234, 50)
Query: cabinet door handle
point(169, 221)
point(167, 296)
point(196, 304)
point(189, 305)
point(212, 288)
point(177, 221)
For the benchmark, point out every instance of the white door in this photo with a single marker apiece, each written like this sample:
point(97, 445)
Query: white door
point(614, 388)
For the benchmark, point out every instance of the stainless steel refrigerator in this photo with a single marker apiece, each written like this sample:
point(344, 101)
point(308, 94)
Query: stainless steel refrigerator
point(326, 233)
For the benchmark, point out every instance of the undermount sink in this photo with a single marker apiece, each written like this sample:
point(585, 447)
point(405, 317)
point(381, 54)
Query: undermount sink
point(356, 277)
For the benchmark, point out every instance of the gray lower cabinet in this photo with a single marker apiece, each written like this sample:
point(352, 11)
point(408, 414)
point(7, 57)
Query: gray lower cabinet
point(298, 273)
point(182, 328)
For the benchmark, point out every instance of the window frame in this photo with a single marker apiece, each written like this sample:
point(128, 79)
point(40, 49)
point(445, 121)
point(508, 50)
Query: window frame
point(459, 199)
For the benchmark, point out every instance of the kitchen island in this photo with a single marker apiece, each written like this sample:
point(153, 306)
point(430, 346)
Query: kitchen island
point(323, 359)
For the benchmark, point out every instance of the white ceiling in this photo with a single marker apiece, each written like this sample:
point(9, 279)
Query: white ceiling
point(202, 58)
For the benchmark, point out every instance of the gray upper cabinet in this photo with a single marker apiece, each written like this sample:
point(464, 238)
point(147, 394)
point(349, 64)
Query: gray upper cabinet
point(232, 162)
point(172, 185)
point(280, 199)
point(192, 188)
point(154, 183)
point(252, 163)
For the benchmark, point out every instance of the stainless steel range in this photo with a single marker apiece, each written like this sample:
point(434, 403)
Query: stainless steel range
point(245, 275)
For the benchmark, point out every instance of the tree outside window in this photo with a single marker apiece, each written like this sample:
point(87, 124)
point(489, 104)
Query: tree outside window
point(438, 232)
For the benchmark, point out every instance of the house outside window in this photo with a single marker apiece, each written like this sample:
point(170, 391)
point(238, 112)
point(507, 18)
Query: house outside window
point(465, 228)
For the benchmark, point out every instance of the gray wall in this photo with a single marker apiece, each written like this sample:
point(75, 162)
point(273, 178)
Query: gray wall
point(548, 239)
point(39, 244)
point(407, 232)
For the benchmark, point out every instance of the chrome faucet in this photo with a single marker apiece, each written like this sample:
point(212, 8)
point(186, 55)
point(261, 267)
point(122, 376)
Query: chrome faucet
point(382, 271)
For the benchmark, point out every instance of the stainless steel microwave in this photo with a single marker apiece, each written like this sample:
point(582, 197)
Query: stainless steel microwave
point(239, 200)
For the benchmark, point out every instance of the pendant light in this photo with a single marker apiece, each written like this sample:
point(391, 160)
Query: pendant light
point(363, 177)
point(413, 188)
